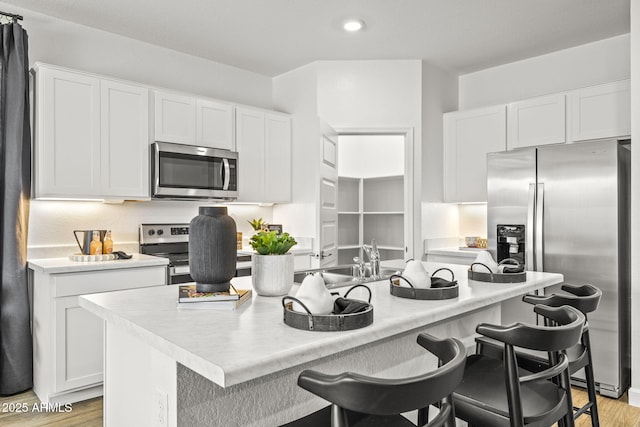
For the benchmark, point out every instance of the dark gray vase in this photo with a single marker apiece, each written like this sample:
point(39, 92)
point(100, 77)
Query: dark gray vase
point(212, 249)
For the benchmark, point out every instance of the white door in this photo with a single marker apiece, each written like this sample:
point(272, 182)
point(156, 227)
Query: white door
point(277, 155)
point(78, 345)
point(124, 140)
point(214, 124)
point(250, 147)
point(175, 118)
point(328, 197)
point(68, 141)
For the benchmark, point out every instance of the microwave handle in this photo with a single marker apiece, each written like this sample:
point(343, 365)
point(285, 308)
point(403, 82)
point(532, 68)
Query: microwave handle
point(226, 174)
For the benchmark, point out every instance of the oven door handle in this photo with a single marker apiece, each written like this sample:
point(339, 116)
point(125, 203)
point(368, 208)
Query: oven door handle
point(226, 174)
point(181, 269)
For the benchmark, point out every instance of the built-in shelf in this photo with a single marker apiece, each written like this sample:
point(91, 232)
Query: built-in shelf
point(384, 213)
point(371, 208)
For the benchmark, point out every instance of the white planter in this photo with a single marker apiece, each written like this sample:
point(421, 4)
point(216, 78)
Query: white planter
point(272, 275)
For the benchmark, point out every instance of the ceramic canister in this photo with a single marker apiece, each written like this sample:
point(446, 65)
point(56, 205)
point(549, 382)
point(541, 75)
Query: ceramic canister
point(212, 249)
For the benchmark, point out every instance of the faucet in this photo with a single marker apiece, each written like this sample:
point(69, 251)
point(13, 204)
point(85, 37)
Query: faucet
point(358, 269)
point(374, 258)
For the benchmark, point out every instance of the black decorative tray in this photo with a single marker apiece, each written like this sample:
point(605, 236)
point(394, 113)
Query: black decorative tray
point(327, 322)
point(492, 277)
point(445, 290)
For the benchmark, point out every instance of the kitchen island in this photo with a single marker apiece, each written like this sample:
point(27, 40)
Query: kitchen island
point(169, 366)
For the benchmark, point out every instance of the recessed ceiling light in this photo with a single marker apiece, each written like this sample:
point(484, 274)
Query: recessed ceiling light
point(353, 25)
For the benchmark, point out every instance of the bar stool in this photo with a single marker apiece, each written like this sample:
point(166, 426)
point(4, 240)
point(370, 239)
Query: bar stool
point(359, 400)
point(585, 298)
point(498, 392)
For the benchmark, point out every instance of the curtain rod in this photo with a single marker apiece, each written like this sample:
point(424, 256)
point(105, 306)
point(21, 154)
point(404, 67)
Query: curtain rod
point(11, 15)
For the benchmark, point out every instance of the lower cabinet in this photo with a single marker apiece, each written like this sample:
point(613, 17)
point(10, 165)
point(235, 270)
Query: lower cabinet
point(78, 345)
point(68, 340)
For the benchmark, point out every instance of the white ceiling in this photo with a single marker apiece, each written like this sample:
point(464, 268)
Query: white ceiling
point(271, 37)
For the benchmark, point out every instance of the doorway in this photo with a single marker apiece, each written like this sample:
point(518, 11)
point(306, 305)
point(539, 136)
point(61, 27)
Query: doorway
point(375, 196)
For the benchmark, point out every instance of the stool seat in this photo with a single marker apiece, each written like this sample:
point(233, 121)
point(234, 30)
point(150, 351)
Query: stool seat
point(585, 298)
point(363, 401)
point(497, 392)
point(322, 417)
point(484, 384)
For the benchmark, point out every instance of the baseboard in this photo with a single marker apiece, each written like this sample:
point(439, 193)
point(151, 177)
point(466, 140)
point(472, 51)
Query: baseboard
point(634, 396)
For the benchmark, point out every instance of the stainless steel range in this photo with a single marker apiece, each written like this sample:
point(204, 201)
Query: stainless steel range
point(172, 241)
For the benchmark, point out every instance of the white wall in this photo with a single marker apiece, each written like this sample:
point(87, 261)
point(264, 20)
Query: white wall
point(594, 63)
point(296, 92)
point(634, 391)
point(52, 223)
point(347, 95)
point(366, 156)
point(376, 94)
point(75, 46)
point(67, 44)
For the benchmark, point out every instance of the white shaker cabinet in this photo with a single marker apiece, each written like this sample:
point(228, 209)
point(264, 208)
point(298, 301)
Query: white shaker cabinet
point(124, 148)
point(263, 142)
point(67, 339)
point(601, 111)
point(175, 117)
point(214, 124)
point(92, 137)
point(185, 119)
point(537, 121)
point(468, 137)
point(67, 149)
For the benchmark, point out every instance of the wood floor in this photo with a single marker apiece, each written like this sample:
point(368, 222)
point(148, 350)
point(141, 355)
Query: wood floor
point(613, 413)
point(23, 410)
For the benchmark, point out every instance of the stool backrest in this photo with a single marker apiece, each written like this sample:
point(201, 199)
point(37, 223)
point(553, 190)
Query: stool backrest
point(381, 396)
point(568, 331)
point(585, 298)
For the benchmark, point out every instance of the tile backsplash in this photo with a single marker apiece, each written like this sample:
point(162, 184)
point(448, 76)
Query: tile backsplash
point(51, 223)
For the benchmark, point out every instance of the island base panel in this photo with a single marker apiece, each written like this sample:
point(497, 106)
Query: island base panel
point(140, 382)
point(276, 399)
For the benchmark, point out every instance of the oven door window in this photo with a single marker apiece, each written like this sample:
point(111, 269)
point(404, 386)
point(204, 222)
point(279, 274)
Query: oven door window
point(188, 171)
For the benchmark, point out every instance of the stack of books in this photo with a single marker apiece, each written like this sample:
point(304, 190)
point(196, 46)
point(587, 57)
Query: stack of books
point(190, 298)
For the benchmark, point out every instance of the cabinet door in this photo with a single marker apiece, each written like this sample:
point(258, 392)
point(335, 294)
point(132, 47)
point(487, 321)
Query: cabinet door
point(250, 127)
point(537, 121)
point(124, 140)
point(277, 157)
point(78, 345)
point(175, 118)
point(214, 124)
point(468, 137)
point(68, 135)
point(602, 111)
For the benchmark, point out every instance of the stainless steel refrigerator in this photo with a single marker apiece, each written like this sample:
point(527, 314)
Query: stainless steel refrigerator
point(568, 211)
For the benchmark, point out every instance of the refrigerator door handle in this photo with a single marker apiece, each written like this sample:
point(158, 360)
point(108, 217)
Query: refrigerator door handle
point(539, 227)
point(529, 245)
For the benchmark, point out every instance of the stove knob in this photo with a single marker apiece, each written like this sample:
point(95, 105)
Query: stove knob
point(160, 232)
point(151, 232)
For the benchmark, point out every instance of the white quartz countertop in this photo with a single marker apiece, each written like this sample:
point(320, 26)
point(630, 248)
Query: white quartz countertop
point(231, 347)
point(461, 252)
point(248, 250)
point(65, 265)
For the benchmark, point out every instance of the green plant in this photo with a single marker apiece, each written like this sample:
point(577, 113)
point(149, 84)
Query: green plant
point(258, 224)
point(272, 243)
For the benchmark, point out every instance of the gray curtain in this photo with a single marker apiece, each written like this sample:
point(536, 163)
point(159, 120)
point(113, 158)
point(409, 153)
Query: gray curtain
point(16, 373)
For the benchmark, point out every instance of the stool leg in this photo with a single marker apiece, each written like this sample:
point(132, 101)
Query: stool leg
point(591, 384)
point(338, 417)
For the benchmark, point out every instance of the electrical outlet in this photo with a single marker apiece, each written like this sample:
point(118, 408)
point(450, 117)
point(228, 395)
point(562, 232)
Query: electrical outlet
point(162, 408)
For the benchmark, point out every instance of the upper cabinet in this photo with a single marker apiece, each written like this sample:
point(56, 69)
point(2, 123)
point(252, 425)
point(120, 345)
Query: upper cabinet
point(536, 121)
point(184, 119)
point(263, 142)
point(92, 137)
point(601, 111)
point(468, 137)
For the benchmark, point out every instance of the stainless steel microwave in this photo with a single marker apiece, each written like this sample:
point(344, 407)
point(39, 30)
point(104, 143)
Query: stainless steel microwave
point(189, 172)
